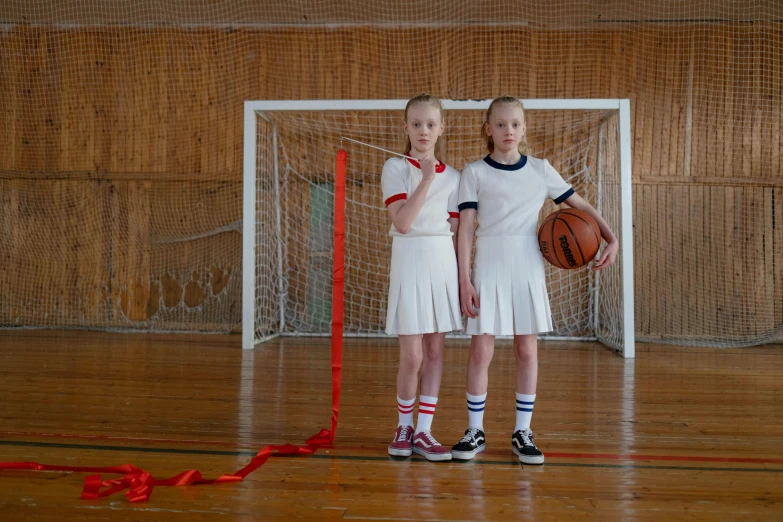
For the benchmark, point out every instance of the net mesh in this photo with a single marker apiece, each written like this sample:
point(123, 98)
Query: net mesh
point(121, 141)
point(294, 266)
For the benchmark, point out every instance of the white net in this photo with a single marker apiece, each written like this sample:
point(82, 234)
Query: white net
point(121, 149)
point(294, 273)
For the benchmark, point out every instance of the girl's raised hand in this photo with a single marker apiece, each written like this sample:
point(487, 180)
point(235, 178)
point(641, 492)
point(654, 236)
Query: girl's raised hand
point(428, 168)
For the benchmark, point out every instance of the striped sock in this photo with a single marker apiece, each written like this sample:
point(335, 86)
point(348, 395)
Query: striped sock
point(476, 410)
point(405, 409)
point(426, 411)
point(524, 411)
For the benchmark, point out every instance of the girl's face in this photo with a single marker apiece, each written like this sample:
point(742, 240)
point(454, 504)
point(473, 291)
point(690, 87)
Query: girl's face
point(506, 126)
point(424, 126)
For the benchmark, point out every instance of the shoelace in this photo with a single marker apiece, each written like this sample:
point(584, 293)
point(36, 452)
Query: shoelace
point(470, 434)
point(527, 438)
point(403, 434)
point(430, 438)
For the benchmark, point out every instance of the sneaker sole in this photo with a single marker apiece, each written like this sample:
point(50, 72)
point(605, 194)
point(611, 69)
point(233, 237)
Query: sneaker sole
point(467, 455)
point(432, 457)
point(399, 452)
point(527, 459)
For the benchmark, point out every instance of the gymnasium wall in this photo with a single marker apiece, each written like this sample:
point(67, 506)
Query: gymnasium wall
point(121, 155)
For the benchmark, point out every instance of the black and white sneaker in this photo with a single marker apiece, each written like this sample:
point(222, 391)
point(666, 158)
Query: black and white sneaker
point(471, 444)
point(523, 446)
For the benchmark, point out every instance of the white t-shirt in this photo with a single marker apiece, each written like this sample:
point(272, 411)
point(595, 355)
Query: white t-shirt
point(401, 177)
point(508, 198)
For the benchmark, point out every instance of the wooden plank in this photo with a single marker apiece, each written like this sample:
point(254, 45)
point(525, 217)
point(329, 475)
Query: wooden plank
point(129, 251)
point(687, 249)
point(772, 96)
point(160, 104)
point(704, 181)
point(765, 268)
point(719, 246)
point(531, 69)
point(642, 151)
point(30, 90)
point(103, 175)
point(674, 51)
point(10, 68)
point(118, 100)
point(647, 137)
point(734, 275)
point(656, 122)
point(661, 247)
point(49, 128)
point(143, 93)
point(745, 87)
point(757, 113)
point(642, 271)
point(731, 105)
point(700, 226)
point(179, 143)
point(777, 246)
point(688, 128)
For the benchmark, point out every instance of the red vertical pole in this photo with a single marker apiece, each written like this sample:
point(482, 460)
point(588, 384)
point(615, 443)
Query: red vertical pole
point(338, 284)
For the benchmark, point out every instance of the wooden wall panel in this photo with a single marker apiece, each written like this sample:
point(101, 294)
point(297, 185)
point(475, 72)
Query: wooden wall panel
point(133, 106)
point(55, 270)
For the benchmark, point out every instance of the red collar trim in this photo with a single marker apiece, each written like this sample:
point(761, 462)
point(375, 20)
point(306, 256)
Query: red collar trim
point(439, 168)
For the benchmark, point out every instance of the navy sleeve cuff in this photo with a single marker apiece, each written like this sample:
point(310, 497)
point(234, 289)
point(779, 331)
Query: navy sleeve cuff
point(567, 194)
point(467, 205)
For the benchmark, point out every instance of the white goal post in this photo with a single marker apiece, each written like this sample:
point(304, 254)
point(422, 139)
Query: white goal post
point(270, 277)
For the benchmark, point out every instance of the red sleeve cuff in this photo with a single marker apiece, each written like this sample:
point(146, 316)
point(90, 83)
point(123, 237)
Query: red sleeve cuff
point(453, 215)
point(396, 197)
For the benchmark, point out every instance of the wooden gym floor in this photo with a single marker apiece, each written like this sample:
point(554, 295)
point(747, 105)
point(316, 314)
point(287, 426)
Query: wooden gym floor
point(677, 434)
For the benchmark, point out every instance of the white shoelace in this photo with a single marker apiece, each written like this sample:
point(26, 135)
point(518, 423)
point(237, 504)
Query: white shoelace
point(430, 438)
point(403, 434)
point(527, 437)
point(470, 435)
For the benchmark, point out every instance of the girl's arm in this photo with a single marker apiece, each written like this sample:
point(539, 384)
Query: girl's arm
point(610, 252)
point(454, 223)
point(468, 298)
point(404, 212)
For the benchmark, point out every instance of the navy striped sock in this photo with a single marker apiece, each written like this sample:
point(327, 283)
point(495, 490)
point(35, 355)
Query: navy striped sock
point(525, 405)
point(476, 410)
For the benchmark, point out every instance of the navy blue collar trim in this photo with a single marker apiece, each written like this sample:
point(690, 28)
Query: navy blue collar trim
point(516, 166)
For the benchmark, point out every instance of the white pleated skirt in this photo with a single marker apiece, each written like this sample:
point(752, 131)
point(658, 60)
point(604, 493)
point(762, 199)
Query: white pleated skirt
point(508, 275)
point(423, 286)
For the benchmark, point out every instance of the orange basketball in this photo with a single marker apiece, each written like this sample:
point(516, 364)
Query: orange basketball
point(569, 238)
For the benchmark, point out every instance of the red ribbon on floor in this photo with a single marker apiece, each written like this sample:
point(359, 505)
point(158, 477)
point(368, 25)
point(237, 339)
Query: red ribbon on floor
point(140, 483)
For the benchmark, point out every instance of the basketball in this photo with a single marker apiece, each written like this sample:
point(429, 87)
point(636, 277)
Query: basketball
point(569, 238)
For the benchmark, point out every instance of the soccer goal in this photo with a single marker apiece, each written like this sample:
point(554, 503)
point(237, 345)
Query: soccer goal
point(288, 223)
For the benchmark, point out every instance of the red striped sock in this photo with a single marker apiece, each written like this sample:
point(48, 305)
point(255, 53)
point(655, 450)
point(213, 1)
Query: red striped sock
point(405, 410)
point(426, 411)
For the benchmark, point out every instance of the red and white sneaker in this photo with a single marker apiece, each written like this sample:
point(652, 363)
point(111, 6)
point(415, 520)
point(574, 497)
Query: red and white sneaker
point(424, 444)
point(401, 444)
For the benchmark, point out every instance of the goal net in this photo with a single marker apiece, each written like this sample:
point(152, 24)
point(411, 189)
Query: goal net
point(289, 178)
point(121, 151)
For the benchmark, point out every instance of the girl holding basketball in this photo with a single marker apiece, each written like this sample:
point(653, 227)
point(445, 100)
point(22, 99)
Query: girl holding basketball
point(421, 198)
point(507, 295)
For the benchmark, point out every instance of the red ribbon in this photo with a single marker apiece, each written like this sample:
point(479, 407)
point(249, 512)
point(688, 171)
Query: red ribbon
point(139, 483)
